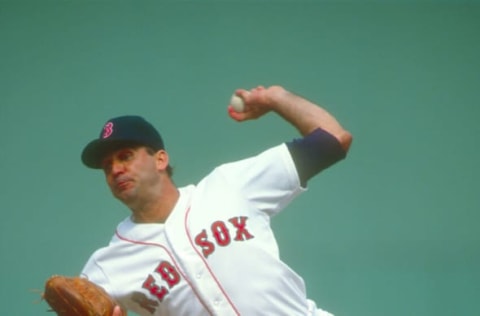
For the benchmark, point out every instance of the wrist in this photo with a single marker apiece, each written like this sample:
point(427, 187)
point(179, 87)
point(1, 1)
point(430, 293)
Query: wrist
point(277, 96)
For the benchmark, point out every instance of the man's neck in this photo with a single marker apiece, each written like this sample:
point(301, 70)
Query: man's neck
point(158, 209)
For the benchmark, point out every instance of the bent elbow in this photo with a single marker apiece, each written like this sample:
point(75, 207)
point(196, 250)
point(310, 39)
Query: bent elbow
point(345, 138)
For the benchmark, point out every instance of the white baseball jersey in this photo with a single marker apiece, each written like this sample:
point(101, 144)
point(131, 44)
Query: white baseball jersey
point(216, 253)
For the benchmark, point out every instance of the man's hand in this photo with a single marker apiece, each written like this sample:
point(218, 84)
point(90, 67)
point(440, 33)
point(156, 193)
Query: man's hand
point(258, 102)
point(118, 311)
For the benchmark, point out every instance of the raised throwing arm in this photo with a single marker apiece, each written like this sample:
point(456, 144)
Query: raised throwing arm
point(303, 114)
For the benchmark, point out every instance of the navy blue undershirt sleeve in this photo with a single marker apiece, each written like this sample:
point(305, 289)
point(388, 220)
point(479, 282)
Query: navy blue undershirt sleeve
point(314, 153)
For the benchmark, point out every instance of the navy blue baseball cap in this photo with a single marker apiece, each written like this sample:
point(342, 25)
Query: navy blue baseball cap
point(121, 132)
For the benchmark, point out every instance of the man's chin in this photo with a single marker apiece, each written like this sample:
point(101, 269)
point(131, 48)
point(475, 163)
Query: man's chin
point(124, 196)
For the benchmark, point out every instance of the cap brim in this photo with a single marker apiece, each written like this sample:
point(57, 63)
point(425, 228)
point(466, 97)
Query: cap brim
point(96, 150)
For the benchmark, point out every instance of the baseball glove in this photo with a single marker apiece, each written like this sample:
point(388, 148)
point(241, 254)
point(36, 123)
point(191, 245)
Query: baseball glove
point(76, 296)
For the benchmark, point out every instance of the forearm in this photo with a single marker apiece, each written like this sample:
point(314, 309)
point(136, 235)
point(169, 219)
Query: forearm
point(306, 116)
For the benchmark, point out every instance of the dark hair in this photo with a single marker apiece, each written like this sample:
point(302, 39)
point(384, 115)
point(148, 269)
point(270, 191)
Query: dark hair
point(152, 152)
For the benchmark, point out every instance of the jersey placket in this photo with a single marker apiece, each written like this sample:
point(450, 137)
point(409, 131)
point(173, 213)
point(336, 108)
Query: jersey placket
point(201, 277)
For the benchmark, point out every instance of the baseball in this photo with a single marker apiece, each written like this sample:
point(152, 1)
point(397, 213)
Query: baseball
point(237, 103)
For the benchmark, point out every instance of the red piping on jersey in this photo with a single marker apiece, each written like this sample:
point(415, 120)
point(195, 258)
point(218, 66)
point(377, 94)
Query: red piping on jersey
point(172, 258)
point(206, 264)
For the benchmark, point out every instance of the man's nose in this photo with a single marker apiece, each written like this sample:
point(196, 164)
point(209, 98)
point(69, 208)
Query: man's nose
point(117, 167)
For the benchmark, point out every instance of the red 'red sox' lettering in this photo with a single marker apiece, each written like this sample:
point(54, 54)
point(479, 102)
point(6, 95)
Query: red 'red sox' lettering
point(202, 241)
point(221, 234)
point(169, 274)
point(240, 224)
point(154, 289)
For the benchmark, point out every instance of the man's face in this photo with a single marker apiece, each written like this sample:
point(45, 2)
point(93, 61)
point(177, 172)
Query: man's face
point(130, 173)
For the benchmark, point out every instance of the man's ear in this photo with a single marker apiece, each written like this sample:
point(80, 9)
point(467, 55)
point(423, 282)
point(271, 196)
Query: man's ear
point(162, 160)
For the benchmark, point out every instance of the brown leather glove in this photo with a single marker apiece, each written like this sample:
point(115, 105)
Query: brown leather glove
point(76, 296)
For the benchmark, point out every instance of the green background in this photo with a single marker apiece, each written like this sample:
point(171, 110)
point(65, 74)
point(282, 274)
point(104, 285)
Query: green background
point(392, 230)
